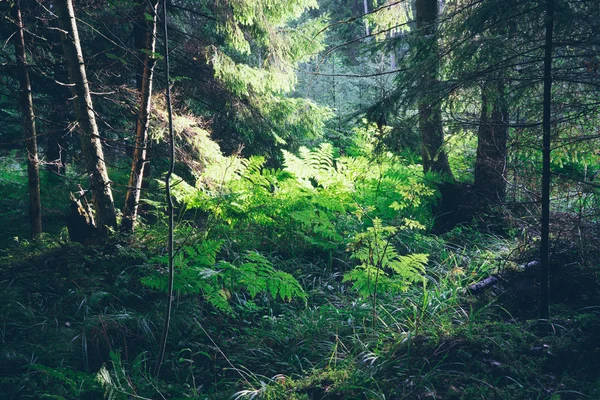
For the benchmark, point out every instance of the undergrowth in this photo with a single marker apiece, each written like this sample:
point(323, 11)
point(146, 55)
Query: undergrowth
point(314, 281)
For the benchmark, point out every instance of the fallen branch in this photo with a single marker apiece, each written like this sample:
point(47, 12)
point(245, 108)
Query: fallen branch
point(492, 280)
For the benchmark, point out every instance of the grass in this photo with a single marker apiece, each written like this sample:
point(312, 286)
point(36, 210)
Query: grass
point(72, 311)
point(76, 322)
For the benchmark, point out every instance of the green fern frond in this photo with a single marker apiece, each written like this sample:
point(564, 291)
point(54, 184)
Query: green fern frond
point(382, 269)
point(197, 272)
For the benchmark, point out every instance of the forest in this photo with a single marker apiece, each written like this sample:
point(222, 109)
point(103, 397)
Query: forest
point(299, 199)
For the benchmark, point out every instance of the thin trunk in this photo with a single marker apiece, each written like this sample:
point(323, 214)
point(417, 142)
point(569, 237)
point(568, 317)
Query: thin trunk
point(430, 112)
point(91, 144)
point(33, 165)
point(165, 332)
point(132, 198)
point(544, 311)
point(490, 165)
point(366, 7)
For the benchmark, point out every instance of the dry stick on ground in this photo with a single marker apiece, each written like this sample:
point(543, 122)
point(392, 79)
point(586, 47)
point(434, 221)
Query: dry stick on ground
point(165, 333)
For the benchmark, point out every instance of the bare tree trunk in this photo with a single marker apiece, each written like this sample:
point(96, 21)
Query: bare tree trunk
point(490, 165)
point(430, 112)
point(33, 166)
point(141, 142)
point(544, 311)
point(91, 144)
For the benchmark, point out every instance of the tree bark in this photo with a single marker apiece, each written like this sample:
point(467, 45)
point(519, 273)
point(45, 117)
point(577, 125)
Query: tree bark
point(130, 210)
point(91, 144)
point(434, 158)
point(490, 164)
point(544, 311)
point(30, 135)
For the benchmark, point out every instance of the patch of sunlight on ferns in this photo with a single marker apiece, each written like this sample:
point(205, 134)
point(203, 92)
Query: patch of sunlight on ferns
point(381, 268)
point(197, 272)
point(315, 203)
point(312, 165)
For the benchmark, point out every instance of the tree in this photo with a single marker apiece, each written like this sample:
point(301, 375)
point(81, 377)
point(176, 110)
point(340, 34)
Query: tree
point(91, 144)
point(492, 136)
point(147, 24)
point(243, 58)
point(433, 155)
point(545, 220)
point(30, 135)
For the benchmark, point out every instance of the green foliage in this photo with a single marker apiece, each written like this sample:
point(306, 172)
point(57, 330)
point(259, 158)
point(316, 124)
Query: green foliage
point(197, 272)
point(316, 203)
point(255, 56)
point(462, 149)
point(253, 23)
point(292, 120)
point(13, 175)
point(66, 383)
point(381, 268)
point(127, 380)
point(54, 191)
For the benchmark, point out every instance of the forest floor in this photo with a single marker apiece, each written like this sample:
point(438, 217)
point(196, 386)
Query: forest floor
point(77, 323)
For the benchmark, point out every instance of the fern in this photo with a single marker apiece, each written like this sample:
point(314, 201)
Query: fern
point(381, 268)
point(198, 272)
point(314, 204)
point(257, 275)
point(312, 165)
point(74, 382)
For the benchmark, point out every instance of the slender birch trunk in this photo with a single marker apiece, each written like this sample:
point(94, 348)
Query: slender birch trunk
point(132, 198)
point(33, 166)
point(91, 144)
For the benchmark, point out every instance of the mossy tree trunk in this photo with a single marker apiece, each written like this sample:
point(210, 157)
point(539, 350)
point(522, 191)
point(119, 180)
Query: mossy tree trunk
point(91, 143)
point(130, 210)
point(30, 135)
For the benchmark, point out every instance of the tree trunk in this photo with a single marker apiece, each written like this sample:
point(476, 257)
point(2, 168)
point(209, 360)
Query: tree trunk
point(430, 112)
point(33, 166)
point(366, 7)
point(490, 165)
point(91, 144)
point(141, 142)
point(544, 311)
